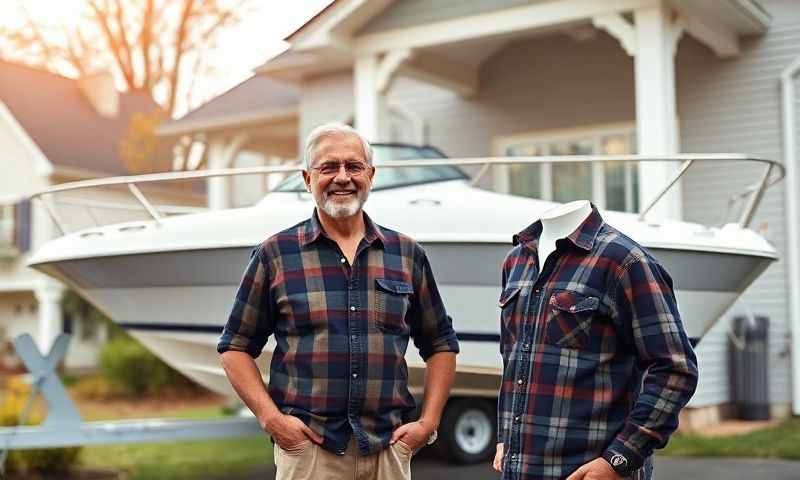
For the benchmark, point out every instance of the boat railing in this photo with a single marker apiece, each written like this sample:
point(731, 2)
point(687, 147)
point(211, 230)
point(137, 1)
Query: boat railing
point(772, 173)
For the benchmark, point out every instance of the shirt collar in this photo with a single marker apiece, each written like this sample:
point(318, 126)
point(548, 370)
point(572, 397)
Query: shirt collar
point(583, 237)
point(312, 230)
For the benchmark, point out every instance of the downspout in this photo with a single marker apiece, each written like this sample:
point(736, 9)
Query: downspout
point(790, 163)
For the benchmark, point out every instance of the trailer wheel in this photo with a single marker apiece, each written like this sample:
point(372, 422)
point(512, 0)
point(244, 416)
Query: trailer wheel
point(467, 433)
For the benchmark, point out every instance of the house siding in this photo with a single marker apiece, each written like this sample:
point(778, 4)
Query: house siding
point(734, 106)
point(556, 82)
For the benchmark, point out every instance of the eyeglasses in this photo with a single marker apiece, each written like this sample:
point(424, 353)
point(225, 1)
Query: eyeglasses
point(353, 169)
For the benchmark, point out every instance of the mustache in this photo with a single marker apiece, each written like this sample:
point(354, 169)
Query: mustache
point(350, 189)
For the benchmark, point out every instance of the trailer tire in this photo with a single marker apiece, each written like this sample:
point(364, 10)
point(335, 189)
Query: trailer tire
point(468, 431)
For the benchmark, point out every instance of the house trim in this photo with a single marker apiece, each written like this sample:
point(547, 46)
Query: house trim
point(500, 22)
point(789, 120)
point(183, 127)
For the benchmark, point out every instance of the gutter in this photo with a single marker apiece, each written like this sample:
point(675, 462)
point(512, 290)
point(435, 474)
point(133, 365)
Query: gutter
point(790, 130)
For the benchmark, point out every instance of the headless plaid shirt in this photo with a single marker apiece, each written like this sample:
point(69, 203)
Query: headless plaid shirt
point(341, 330)
point(596, 360)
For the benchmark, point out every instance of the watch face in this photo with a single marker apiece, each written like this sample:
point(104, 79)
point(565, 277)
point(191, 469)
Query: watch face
point(619, 461)
point(433, 437)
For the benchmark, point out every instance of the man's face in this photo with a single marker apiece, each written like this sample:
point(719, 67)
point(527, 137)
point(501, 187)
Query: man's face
point(339, 177)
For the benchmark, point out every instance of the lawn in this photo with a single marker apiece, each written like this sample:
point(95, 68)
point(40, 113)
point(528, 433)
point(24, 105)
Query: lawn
point(201, 459)
point(217, 459)
point(782, 441)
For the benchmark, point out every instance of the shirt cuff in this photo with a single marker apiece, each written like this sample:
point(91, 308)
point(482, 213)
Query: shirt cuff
point(620, 453)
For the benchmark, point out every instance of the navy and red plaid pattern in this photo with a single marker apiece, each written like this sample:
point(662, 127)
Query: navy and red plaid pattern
point(595, 356)
point(341, 330)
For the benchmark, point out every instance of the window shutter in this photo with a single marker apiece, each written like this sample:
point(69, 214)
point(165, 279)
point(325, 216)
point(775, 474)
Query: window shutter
point(22, 225)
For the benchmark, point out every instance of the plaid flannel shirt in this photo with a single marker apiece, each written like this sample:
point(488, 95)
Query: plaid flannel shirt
point(596, 360)
point(341, 330)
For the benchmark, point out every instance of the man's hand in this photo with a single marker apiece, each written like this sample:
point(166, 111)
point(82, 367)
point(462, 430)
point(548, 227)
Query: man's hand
point(414, 435)
point(289, 431)
point(498, 458)
point(597, 469)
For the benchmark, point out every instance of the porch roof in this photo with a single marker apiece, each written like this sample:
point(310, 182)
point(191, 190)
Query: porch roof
point(347, 29)
point(256, 100)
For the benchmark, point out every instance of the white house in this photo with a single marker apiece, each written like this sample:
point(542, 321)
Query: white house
point(526, 77)
point(55, 129)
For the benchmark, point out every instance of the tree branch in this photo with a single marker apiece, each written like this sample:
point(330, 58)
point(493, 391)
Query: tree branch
point(145, 40)
point(180, 38)
point(102, 19)
point(125, 45)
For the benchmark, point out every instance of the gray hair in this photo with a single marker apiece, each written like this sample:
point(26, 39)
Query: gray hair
point(332, 129)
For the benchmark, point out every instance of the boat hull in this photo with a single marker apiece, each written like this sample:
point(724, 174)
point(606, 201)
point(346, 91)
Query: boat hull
point(176, 303)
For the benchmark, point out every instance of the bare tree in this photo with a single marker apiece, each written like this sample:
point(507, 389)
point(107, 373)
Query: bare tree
point(150, 44)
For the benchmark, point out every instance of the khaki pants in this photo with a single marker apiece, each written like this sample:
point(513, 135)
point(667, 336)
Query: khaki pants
point(309, 461)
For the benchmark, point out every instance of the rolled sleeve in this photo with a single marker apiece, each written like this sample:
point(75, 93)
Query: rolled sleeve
point(648, 320)
point(431, 327)
point(250, 322)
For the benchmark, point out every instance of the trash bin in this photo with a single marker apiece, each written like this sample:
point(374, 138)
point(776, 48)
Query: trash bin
point(749, 368)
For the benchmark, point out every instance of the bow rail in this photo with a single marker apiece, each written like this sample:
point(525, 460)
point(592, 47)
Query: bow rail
point(773, 173)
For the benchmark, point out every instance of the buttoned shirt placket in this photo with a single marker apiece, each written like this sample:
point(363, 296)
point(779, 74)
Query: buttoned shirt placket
point(356, 346)
point(528, 340)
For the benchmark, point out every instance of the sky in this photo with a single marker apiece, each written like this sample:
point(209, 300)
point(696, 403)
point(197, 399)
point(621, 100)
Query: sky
point(240, 49)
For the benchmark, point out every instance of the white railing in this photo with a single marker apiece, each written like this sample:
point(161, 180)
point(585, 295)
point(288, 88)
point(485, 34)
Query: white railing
point(772, 173)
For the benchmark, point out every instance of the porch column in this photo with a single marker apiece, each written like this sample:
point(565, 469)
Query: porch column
point(51, 321)
point(370, 103)
point(656, 119)
point(221, 153)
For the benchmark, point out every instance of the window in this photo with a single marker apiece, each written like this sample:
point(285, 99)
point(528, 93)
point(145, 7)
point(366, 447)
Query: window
point(610, 185)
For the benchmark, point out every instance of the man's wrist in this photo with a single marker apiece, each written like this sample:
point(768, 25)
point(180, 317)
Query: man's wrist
point(271, 419)
point(429, 425)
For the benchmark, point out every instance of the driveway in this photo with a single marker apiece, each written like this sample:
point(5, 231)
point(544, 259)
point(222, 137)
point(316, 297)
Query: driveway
point(426, 467)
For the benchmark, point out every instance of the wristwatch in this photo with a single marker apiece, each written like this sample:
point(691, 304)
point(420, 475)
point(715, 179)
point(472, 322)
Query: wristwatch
point(433, 436)
point(619, 463)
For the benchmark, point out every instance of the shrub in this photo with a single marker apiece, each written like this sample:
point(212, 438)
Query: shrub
point(95, 388)
point(133, 370)
point(41, 460)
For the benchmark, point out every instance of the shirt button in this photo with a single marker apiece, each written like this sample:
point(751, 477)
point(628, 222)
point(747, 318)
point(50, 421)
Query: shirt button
point(352, 308)
point(343, 260)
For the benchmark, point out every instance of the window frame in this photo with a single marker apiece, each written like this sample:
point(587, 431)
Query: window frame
point(594, 133)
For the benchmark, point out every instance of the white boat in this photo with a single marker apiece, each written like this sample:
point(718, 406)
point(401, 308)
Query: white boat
point(170, 280)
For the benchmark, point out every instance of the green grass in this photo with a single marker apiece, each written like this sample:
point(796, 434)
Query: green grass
point(206, 459)
point(782, 441)
point(201, 459)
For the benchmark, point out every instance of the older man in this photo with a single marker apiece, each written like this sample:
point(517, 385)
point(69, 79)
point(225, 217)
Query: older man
point(342, 296)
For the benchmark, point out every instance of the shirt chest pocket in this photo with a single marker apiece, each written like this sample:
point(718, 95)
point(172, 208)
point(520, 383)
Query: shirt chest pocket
point(392, 301)
point(569, 319)
point(509, 313)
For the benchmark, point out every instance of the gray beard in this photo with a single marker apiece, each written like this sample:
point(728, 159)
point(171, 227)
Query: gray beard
point(340, 210)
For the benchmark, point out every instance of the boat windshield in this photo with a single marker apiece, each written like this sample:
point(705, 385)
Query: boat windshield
point(394, 177)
